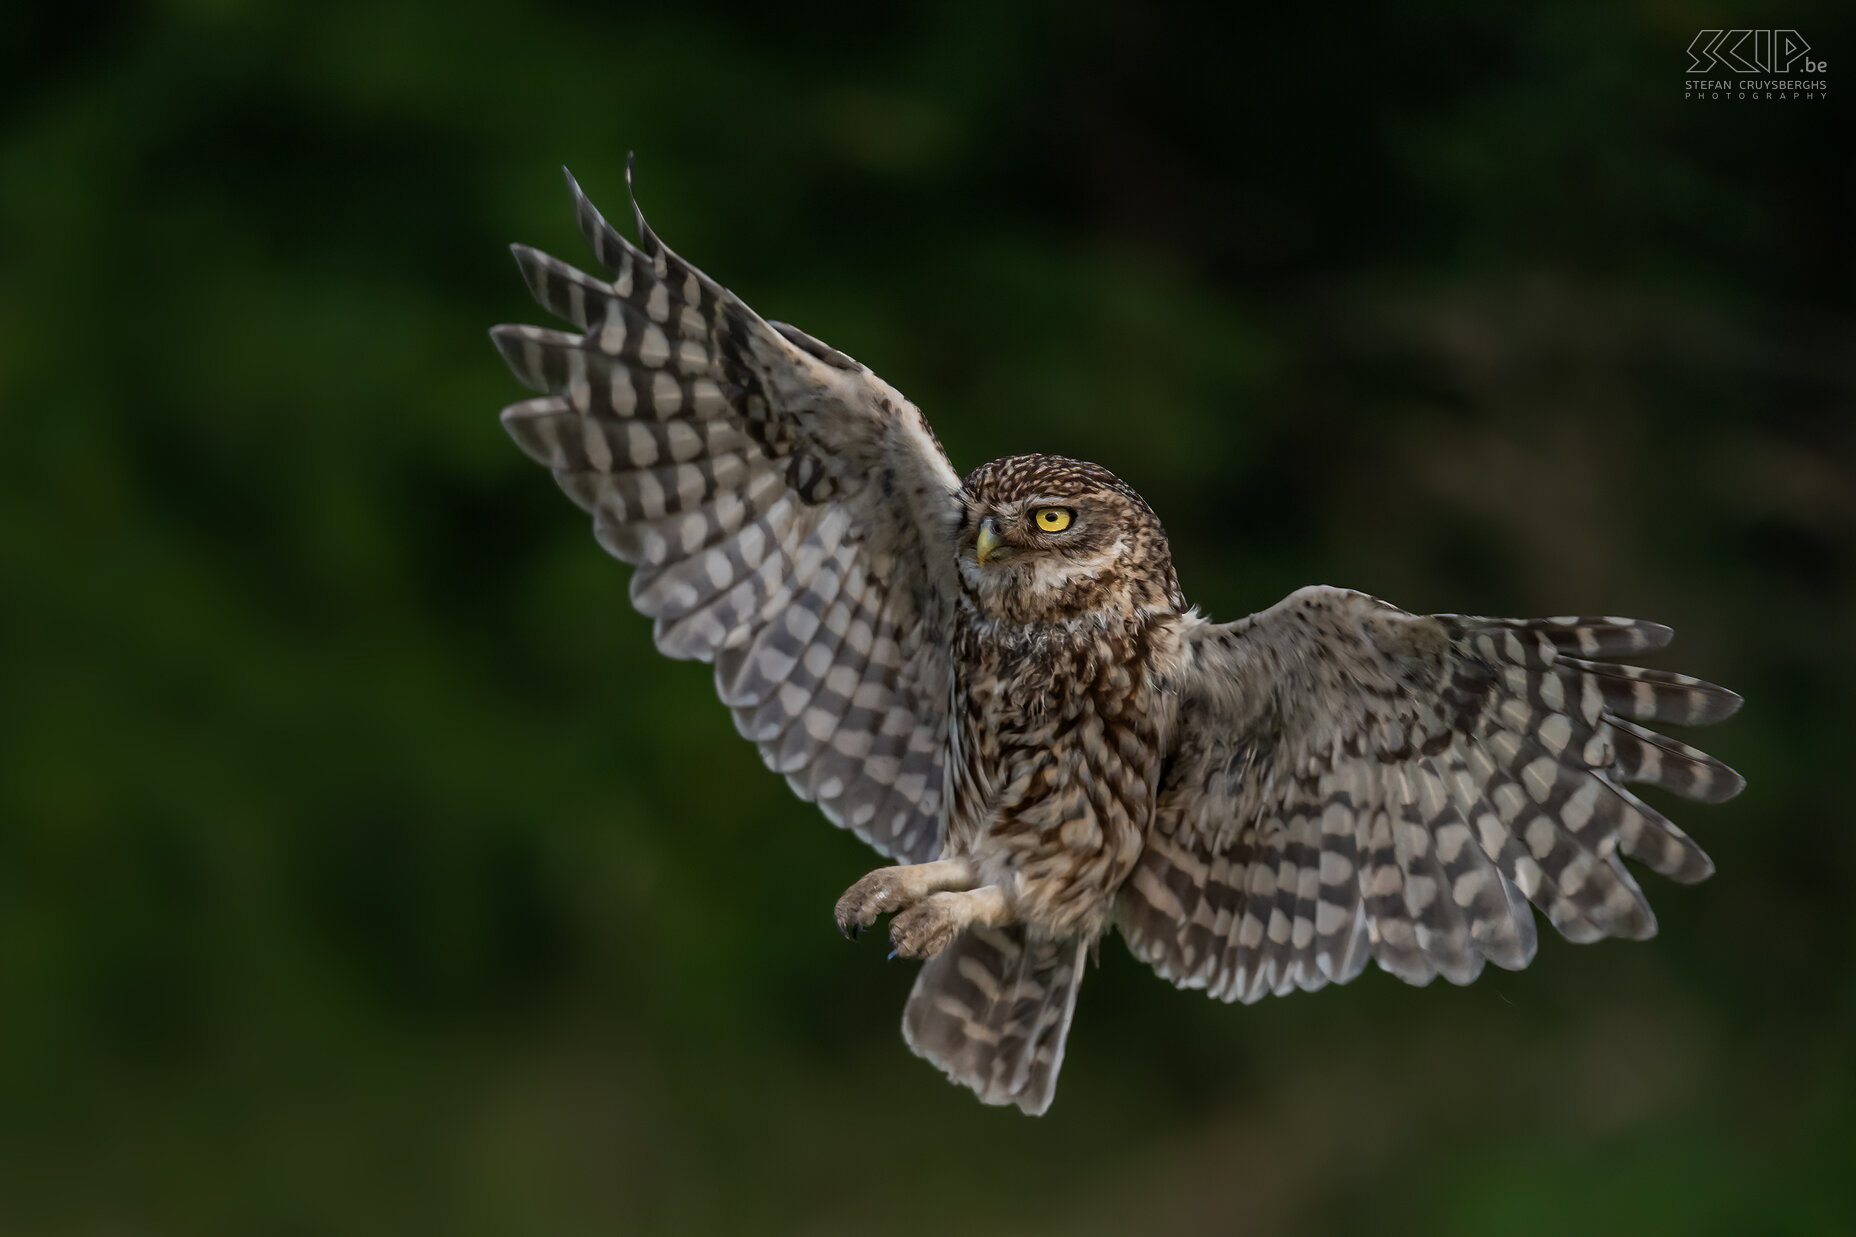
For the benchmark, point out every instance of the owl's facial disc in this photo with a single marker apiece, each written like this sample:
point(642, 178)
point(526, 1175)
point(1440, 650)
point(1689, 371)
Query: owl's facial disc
point(1037, 551)
point(1041, 525)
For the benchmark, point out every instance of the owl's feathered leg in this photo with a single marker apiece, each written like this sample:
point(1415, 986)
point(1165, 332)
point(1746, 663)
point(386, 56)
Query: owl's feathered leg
point(993, 1011)
point(888, 890)
point(927, 928)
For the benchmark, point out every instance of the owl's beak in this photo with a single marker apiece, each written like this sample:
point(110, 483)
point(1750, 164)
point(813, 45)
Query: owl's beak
point(989, 547)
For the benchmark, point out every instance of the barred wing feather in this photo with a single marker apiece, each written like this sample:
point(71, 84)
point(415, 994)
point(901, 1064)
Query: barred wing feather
point(1352, 782)
point(789, 514)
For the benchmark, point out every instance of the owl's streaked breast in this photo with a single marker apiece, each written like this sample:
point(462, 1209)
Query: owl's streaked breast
point(1058, 730)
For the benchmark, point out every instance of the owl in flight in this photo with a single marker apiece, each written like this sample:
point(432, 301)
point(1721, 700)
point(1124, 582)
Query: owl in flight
point(998, 683)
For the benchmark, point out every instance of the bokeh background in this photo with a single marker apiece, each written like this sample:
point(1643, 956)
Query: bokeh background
point(362, 868)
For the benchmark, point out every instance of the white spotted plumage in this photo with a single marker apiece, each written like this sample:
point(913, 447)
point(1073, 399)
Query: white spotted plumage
point(731, 465)
point(1411, 738)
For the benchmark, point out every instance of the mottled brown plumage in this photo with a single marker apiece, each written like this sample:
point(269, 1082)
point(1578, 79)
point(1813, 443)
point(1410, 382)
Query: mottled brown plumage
point(998, 682)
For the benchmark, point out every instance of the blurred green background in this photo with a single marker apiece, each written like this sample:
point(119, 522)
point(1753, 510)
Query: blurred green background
point(363, 869)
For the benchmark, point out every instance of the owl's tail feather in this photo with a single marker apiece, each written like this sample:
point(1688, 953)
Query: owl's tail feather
point(993, 1010)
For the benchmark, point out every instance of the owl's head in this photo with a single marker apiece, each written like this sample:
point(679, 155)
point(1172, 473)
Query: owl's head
point(1047, 539)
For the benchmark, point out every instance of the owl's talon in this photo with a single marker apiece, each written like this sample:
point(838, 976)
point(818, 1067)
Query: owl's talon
point(861, 904)
point(889, 891)
point(929, 926)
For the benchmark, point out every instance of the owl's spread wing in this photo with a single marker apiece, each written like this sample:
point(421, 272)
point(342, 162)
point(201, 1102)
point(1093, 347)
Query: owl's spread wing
point(790, 515)
point(1350, 781)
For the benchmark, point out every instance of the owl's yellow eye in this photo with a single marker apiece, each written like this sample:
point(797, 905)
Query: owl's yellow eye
point(1053, 519)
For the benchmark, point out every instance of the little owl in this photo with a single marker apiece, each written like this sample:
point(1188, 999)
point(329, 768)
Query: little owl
point(998, 683)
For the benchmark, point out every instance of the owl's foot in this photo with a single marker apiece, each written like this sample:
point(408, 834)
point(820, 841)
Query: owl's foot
point(931, 925)
point(888, 890)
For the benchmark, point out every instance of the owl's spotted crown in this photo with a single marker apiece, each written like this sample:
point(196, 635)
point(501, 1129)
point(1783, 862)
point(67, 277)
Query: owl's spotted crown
point(1018, 478)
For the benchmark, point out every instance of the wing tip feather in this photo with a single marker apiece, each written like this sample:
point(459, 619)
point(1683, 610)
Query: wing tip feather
point(1728, 782)
point(512, 340)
